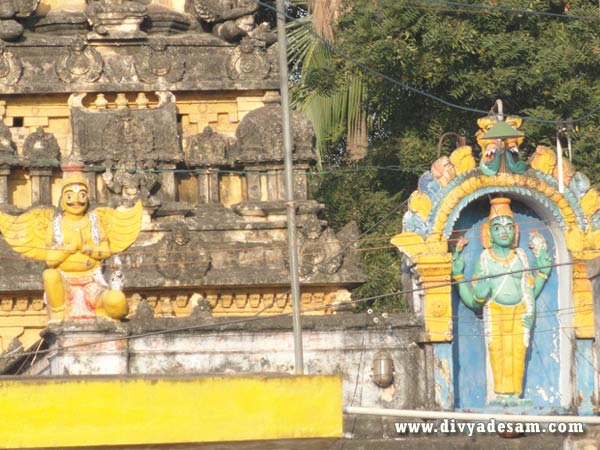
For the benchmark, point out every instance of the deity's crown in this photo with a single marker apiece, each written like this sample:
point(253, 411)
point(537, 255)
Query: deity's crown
point(73, 173)
point(500, 207)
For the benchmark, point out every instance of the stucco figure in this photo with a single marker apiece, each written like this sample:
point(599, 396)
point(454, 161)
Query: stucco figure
point(499, 155)
point(505, 287)
point(73, 242)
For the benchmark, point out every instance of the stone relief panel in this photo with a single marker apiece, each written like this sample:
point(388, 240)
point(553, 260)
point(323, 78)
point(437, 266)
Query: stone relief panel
point(179, 255)
point(137, 67)
point(142, 133)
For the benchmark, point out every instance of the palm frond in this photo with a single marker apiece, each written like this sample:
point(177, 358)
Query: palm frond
point(331, 96)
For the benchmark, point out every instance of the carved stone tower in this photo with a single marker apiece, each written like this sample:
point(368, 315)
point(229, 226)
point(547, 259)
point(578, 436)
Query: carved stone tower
point(173, 103)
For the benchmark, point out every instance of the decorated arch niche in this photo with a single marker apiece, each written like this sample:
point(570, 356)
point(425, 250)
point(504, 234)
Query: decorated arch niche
point(497, 249)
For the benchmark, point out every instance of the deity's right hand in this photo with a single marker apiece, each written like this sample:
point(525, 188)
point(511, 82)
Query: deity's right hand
point(482, 289)
point(458, 262)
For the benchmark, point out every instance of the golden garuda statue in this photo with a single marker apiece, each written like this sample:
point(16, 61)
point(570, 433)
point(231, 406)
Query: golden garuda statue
point(73, 242)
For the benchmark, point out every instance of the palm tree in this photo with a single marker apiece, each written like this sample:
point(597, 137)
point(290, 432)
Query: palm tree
point(330, 92)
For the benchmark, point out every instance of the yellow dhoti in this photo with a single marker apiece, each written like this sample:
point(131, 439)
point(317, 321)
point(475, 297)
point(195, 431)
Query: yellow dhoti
point(507, 341)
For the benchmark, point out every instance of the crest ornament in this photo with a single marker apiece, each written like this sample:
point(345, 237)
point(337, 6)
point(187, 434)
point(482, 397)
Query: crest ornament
point(10, 68)
point(41, 149)
point(83, 63)
point(157, 61)
point(248, 61)
point(208, 148)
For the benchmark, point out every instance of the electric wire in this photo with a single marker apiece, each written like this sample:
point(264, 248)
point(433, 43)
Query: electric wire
point(412, 89)
point(361, 239)
point(223, 324)
point(25, 161)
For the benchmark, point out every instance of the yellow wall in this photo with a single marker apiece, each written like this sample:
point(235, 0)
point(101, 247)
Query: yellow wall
point(57, 413)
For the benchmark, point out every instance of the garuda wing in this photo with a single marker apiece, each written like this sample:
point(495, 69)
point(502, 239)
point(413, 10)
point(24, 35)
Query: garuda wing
point(29, 233)
point(121, 226)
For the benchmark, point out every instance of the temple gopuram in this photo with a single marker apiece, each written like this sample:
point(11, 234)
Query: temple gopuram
point(172, 104)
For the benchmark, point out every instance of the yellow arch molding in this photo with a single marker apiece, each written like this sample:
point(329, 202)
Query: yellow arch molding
point(472, 185)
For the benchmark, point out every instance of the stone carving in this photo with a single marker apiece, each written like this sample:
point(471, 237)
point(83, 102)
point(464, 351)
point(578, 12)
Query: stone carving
point(262, 33)
point(73, 243)
point(148, 134)
point(179, 257)
point(83, 63)
point(231, 19)
point(119, 68)
point(506, 291)
point(10, 29)
point(41, 149)
point(499, 155)
point(208, 148)
point(8, 149)
point(165, 20)
point(130, 132)
point(443, 171)
point(320, 250)
point(248, 61)
point(260, 136)
point(159, 62)
point(212, 11)
point(10, 67)
point(116, 19)
point(130, 182)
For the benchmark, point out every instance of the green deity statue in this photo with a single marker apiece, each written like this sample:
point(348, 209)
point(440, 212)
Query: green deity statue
point(505, 287)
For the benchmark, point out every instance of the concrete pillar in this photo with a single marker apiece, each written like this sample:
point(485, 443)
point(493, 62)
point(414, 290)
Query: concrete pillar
point(253, 184)
point(91, 179)
point(273, 185)
point(208, 186)
point(300, 184)
point(40, 186)
point(4, 173)
point(168, 182)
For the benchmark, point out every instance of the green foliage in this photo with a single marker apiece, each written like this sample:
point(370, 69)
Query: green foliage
point(358, 192)
point(330, 92)
point(468, 54)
